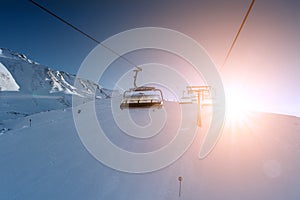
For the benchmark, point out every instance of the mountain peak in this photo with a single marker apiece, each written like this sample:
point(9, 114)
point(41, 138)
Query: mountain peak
point(10, 54)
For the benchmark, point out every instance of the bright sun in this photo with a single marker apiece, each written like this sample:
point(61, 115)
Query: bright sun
point(238, 105)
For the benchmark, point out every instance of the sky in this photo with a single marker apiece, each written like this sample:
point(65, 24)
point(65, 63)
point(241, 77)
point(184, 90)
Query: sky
point(264, 64)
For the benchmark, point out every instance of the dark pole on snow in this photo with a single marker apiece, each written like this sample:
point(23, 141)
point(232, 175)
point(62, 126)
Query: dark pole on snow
point(180, 180)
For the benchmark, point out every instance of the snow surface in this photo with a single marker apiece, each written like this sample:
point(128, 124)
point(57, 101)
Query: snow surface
point(48, 161)
point(7, 82)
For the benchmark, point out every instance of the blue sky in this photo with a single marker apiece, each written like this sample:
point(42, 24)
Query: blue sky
point(265, 58)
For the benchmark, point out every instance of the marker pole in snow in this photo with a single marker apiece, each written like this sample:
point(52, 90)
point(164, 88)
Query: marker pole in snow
point(180, 180)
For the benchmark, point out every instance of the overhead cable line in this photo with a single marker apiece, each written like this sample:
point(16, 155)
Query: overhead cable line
point(238, 33)
point(82, 32)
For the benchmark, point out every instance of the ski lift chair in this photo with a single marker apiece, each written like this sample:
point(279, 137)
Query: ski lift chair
point(142, 97)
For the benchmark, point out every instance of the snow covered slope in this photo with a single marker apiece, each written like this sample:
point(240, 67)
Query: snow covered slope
point(48, 161)
point(257, 159)
point(7, 82)
point(36, 86)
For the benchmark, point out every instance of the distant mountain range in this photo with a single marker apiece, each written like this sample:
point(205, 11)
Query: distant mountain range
point(27, 87)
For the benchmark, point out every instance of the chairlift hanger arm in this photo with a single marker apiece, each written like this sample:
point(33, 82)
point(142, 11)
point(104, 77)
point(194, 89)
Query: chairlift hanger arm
point(136, 71)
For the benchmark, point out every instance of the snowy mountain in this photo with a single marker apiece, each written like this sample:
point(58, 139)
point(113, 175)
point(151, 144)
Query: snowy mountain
point(25, 82)
point(7, 82)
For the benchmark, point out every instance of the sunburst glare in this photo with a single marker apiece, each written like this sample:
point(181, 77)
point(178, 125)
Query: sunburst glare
point(238, 106)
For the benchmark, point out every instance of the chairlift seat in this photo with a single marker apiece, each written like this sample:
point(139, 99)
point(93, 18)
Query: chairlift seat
point(142, 97)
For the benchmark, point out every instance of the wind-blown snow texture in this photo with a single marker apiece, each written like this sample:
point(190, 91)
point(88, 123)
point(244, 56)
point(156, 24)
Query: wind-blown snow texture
point(258, 160)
